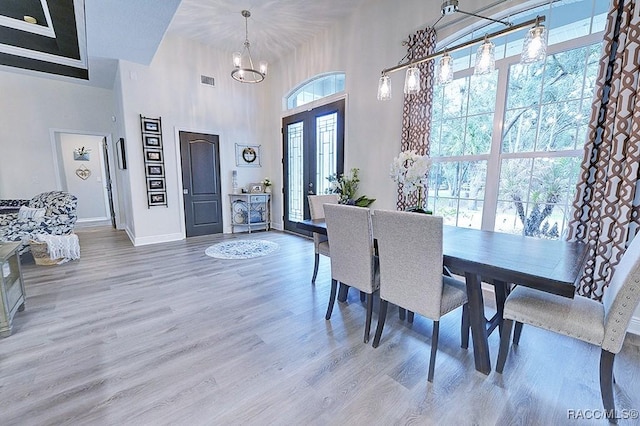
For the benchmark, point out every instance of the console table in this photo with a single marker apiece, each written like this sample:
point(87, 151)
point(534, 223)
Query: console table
point(11, 286)
point(250, 211)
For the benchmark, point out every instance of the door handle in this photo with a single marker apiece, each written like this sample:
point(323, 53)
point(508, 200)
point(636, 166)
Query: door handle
point(185, 191)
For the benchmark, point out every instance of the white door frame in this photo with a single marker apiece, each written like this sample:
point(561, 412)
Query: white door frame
point(55, 146)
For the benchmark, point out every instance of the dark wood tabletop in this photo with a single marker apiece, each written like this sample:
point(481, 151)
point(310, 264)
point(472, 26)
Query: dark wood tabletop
point(501, 259)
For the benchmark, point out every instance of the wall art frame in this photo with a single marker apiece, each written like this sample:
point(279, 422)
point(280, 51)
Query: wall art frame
point(153, 156)
point(248, 155)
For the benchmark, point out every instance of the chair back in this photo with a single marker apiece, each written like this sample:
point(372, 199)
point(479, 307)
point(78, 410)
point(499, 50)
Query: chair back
point(351, 240)
point(316, 203)
point(410, 256)
point(621, 297)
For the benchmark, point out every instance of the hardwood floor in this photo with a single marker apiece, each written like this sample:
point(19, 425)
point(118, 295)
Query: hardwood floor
point(163, 334)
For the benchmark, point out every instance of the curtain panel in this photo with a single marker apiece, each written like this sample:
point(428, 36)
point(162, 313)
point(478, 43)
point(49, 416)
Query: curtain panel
point(416, 110)
point(606, 209)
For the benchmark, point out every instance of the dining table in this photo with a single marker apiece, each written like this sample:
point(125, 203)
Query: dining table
point(502, 260)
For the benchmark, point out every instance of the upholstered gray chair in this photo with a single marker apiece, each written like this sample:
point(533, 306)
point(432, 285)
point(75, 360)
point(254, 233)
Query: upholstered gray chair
point(353, 261)
point(602, 324)
point(320, 243)
point(411, 263)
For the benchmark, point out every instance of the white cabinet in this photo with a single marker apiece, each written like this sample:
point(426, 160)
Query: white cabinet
point(250, 212)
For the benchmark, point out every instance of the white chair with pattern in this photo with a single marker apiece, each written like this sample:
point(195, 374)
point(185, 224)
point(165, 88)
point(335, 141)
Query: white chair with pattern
point(602, 324)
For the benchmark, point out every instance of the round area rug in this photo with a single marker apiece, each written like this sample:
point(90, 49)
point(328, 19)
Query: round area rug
point(241, 249)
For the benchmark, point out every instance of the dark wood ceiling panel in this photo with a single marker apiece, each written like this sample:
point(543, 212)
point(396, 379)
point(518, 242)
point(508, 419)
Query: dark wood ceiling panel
point(66, 52)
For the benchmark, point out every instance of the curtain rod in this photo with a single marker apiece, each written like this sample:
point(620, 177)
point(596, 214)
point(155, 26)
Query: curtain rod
point(498, 33)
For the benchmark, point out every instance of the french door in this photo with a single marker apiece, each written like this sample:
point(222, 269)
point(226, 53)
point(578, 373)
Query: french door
point(313, 148)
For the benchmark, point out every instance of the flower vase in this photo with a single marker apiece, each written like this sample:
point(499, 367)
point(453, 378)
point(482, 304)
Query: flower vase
point(267, 190)
point(419, 207)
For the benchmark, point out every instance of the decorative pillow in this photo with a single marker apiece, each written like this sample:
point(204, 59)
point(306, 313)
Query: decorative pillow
point(30, 213)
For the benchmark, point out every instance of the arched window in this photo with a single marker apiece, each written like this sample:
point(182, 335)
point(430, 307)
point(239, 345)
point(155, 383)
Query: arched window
point(316, 88)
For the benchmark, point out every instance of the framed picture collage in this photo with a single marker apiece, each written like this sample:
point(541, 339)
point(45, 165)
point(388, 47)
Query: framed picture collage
point(153, 161)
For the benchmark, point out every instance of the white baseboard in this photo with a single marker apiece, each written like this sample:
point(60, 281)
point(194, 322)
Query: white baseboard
point(155, 239)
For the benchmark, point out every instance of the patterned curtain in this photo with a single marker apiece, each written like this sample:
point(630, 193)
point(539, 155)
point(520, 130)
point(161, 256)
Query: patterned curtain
point(416, 112)
point(606, 211)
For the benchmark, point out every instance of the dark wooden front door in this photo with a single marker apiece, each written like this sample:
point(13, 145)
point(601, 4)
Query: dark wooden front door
point(313, 149)
point(201, 183)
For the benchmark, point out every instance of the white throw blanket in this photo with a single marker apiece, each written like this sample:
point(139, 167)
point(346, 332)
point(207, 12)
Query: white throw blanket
point(65, 247)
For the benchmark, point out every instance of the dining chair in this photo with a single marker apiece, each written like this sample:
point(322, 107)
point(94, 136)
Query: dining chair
point(320, 243)
point(602, 324)
point(353, 261)
point(411, 265)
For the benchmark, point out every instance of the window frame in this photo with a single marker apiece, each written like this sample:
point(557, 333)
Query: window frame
point(495, 156)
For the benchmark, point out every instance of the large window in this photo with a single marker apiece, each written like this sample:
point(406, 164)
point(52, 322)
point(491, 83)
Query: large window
point(507, 145)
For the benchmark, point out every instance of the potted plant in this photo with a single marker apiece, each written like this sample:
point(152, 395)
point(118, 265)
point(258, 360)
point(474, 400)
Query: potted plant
point(411, 170)
point(347, 187)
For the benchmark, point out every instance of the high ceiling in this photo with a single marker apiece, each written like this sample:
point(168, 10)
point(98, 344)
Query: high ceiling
point(133, 30)
point(275, 26)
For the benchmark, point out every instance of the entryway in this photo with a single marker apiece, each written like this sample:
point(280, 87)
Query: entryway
point(83, 170)
point(313, 148)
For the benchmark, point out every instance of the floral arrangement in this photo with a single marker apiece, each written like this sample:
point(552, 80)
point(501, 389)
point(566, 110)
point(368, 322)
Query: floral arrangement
point(412, 171)
point(266, 182)
point(347, 187)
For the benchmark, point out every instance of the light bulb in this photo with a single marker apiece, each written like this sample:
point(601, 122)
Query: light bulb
point(412, 81)
point(237, 59)
point(384, 88)
point(445, 73)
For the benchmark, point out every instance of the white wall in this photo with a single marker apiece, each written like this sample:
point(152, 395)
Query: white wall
point(30, 108)
point(170, 88)
point(91, 191)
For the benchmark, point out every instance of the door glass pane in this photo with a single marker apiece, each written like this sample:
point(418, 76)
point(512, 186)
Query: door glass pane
point(326, 157)
point(295, 166)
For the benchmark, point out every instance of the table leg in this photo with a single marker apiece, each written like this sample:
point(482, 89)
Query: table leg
point(478, 323)
point(500, 287)
point(342, 293)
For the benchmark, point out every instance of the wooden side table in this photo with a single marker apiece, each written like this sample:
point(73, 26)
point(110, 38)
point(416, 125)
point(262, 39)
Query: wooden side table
point(11, 286)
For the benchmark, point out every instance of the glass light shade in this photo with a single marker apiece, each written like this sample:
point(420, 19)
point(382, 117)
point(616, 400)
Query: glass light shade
point(237, 59)
point(445, 69)
point(485, 58)
point(263, 67)
point(412, 81)
point(535, 45)
point(384, 88)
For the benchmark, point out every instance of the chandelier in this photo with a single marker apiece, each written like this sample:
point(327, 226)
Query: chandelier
point(534, 50)
point(243, 68)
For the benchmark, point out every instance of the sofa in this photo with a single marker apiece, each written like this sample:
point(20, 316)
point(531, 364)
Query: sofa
point(12, 206)
point(53, 213)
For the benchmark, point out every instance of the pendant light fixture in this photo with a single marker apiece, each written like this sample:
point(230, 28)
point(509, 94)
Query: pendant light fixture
point(535, 45)
point(534, 49)
point(384, 88)
point(445, 69)
point(485, 58)
point(243, 68)
point(412, 81)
